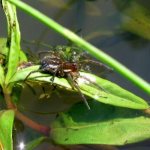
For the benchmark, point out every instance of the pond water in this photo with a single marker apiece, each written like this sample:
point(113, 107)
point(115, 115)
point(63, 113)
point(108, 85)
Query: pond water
point(120, 28)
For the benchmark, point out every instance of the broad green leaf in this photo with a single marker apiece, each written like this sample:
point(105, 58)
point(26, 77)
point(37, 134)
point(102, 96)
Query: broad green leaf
point(6, 125)
point(95, 87)
point(33, 144)
point(112, 94)
point(103, 124)
point(14, 38)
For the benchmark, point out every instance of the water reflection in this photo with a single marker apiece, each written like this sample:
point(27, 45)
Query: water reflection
point(121, 28)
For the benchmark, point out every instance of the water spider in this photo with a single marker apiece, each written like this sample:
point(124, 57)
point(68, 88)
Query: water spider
point(63, 62)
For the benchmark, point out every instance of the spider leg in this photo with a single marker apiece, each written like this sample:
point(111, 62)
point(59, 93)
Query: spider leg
point(52, 79)
point(30, 87)
point(74, 84)
point(31, 73)
point(70, 80)
point(38, 43)
point(45, 94)
point(44, 52)
point(54, 75)
point(96, 85)
point(97, 63)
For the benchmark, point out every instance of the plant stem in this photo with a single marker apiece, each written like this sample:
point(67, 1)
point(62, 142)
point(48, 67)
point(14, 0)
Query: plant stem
point(30, 123)
point(97, 53)
point(9, 102)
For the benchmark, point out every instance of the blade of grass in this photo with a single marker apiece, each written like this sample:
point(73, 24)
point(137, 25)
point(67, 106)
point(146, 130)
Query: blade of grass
point(97, 53)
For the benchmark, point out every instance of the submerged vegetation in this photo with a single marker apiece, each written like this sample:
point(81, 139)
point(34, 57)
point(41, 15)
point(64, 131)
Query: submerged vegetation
point(113, 113)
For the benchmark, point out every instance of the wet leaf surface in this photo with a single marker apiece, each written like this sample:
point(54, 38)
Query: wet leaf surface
point(103, 124)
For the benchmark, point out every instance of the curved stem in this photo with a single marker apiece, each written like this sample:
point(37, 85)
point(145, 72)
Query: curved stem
point(32, 124)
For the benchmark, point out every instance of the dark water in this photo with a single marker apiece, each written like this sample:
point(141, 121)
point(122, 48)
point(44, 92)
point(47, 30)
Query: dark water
point(120, 28)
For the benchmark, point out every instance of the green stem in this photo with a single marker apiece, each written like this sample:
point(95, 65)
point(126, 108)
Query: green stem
point(97, 53)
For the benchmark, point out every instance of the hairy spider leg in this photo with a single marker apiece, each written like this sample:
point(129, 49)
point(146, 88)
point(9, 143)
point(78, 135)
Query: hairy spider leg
point(38, 43)
point(42, 86)
point(53, 77)
point(96, 85)
point(52, 80)
point(53, 53)
point(70, 81)
point(31, 73)
point(74, 84)
point(30, 87)
point(97, 63)
point(44, 52)
point(39, 70)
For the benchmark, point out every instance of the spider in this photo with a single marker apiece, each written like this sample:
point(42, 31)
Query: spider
point(64, 62)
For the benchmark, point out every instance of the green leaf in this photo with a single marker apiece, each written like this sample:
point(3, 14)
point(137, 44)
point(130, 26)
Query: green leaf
point(13, 38)
point(95, 87)
point(33, 144)
point(111, 94)
point(6, 125)
point(103, 124)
